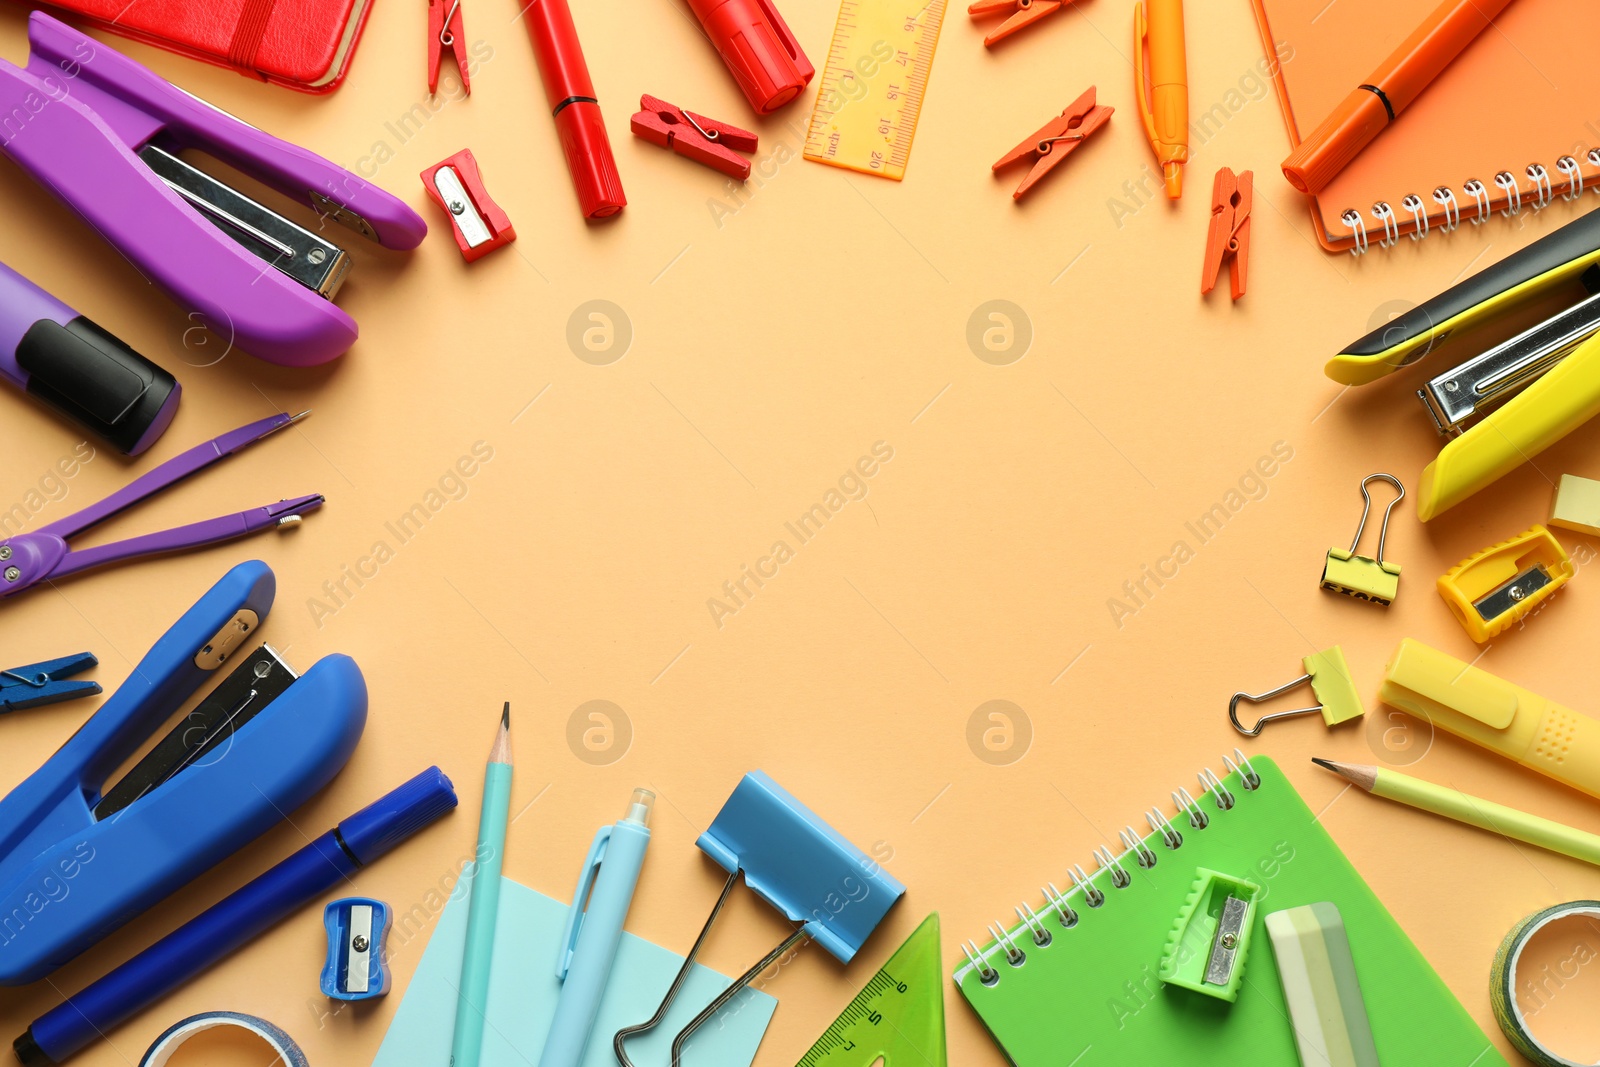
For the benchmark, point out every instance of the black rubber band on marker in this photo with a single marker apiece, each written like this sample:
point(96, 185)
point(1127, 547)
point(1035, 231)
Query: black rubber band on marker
point(339, 840)
point(1377, 92)
point(582, 100)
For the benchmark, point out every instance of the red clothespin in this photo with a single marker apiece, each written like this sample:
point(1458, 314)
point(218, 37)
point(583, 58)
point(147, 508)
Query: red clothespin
point(1229, 236)
point(1023, 13)
point(1056, 139)
point(479, 224)
point(715, 144)
point(446, 35)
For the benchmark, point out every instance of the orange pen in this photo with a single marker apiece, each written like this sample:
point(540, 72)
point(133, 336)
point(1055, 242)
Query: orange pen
point(1163, 85)
point(1400, 79)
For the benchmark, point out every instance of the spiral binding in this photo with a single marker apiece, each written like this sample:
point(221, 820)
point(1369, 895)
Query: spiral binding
point(1476, 202)
point(1038, 927)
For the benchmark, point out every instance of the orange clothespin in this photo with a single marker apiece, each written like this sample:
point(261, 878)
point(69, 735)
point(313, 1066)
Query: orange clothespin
point(1229, 236)
point(706, 141)
point(1023, 13)
point(1056, 139)
point(446, 35)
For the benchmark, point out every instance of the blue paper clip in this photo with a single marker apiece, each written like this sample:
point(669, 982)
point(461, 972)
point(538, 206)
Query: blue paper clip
point(39, 684)
point(358, 949)
point(798, 864)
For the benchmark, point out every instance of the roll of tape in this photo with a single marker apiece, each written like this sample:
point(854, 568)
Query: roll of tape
point(178, 1033)
point(1503, 980)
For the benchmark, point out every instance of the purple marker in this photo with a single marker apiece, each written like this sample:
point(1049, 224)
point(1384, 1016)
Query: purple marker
point(84, 372)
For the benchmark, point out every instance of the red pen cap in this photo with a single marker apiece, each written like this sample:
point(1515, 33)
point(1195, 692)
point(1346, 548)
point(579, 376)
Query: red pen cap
point(758, 48)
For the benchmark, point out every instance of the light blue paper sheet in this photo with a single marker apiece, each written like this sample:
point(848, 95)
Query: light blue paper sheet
point(523, 991)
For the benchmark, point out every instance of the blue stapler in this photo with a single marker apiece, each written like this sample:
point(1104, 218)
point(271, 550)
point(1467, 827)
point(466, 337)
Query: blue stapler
point(79, 857)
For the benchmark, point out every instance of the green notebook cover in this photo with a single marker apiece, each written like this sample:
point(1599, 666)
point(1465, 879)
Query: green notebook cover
point(1092, 996)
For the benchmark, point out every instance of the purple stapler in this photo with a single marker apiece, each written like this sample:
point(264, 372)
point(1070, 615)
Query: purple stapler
point(106, 137)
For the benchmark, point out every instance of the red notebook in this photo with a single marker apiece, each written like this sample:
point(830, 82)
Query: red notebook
point(303, 44)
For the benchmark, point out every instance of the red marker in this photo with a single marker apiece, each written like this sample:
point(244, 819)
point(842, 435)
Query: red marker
point(761, 53)
point(577, 112)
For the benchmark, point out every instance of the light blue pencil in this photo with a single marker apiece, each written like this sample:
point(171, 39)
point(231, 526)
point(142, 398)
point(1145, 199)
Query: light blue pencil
point(484, 906)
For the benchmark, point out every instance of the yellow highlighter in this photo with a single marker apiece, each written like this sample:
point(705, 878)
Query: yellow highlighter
point(1514, 399)
point(1503, 718)
point(1162, 85)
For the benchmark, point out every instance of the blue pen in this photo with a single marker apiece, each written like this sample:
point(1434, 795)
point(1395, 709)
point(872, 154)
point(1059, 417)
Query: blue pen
point(590, 942)
point(218, 932)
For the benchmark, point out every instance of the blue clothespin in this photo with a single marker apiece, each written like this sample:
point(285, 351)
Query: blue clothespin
point(798, 864)
point(38, 684)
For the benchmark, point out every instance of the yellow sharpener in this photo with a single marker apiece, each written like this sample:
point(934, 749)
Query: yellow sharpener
point(1366, 577)
point(1502, 584)
point(1329, 677)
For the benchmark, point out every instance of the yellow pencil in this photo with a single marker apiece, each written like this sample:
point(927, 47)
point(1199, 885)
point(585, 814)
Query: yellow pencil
point(1474, 811)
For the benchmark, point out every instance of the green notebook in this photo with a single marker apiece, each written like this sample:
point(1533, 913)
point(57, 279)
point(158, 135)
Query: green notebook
point(1091, 995)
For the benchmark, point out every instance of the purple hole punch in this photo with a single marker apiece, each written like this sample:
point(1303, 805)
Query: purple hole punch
point(106, 137)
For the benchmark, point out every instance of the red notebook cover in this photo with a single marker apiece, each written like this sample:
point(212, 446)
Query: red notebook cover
point(303, 44)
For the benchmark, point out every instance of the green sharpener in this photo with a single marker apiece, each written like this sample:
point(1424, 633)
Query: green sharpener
point(1209, 941)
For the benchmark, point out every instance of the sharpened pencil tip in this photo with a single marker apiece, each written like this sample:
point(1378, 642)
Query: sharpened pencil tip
point(1327, 765)
point(505, 716)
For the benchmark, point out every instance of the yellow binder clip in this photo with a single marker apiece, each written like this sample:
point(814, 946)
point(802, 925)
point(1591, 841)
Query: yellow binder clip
point(1491, 589)
point(1331, 683)
point(1366, 577)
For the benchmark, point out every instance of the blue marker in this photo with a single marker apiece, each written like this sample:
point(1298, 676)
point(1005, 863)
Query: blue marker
point(590, 942)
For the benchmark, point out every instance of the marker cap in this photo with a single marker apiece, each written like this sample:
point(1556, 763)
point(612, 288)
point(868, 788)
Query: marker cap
point(395, 816)
point(755, 43)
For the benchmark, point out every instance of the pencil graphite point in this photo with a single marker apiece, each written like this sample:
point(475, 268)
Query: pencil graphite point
point(1365, 777)
point(505, 716)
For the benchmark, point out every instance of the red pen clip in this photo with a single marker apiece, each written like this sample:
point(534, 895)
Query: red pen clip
point(1056, 139)
point(706, 141)
point(1023, 13)
point(1229, 235)
point(445, 34)
point(477, 221)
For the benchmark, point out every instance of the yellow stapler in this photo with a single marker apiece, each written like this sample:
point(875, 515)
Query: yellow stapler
point(1555, 364)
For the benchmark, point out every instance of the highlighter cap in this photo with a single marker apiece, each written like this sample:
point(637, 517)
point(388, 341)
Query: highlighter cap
point(396, 816)
point(755, 43)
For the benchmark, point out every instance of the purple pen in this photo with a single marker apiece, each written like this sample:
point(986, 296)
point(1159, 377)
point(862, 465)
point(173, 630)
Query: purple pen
point(55, 354)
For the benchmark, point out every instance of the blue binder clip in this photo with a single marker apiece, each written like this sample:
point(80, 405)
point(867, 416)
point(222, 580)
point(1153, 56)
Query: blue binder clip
point(79, 858)
point(358, 949)
point(798, 864)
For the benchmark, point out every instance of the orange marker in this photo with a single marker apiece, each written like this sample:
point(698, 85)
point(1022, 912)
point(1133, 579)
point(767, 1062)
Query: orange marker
point(1398, 81)
point(1163, 88)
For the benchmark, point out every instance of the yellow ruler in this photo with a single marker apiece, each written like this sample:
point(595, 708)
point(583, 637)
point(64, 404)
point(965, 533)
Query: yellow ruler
point(873, 84)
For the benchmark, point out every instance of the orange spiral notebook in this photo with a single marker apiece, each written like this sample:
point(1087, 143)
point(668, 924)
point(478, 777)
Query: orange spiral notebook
point(1512, 125)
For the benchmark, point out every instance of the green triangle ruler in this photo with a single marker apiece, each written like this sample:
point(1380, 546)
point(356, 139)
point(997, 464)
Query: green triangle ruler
point(898, 1017)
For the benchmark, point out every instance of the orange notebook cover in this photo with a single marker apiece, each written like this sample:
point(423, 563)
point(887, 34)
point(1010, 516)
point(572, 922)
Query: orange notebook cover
point(1509, 125)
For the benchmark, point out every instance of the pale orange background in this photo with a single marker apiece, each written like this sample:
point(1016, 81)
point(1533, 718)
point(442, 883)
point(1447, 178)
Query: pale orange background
point(828, 313)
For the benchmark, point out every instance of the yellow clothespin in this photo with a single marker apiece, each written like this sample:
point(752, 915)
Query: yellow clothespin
point(1335, 690)
point(1366, 577)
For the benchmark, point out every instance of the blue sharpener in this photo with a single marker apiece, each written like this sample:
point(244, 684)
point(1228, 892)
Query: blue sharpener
point(801, 865)
point(358, 952)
